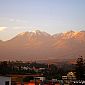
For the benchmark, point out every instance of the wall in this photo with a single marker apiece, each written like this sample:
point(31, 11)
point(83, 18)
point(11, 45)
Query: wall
point(3, 79)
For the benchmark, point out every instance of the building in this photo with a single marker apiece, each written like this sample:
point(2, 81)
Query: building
point(40, 78)
point(5, 80)
point(69, 77)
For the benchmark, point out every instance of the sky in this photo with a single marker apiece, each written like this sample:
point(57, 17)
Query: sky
point(52, 16)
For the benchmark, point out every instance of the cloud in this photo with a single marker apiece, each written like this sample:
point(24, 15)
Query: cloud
point(2, 28)
point(19, 27)
point(11, 20)
point(16, 20)
point(16, 27)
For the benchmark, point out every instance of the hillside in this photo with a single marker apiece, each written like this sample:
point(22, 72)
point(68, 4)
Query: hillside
point(40, 45)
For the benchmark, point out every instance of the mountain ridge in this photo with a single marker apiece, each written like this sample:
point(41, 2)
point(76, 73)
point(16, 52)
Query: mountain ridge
point(39, 45)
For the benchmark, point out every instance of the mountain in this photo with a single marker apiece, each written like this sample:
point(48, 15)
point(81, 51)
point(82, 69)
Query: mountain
point(38, 45)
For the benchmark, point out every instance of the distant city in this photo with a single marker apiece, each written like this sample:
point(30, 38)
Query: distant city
point(38, 73)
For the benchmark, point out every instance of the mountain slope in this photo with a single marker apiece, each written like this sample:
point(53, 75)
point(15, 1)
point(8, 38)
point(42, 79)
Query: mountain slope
point(41, 45)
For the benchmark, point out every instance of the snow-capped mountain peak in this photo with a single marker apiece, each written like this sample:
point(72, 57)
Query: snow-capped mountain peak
point(23, 33)
point(35, 33)
point(70, 34)
point(41, 45)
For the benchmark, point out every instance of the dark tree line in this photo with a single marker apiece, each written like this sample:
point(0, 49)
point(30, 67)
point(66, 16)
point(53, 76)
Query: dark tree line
point(51, 71)
point(80, 68)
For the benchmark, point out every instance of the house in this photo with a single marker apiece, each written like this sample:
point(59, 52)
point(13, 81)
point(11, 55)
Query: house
point(40, 78)
point(5, 80)
point(69, 77)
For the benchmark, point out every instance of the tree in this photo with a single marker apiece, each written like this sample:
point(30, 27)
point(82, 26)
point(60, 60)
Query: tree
point(80, 68)
point(52, 72)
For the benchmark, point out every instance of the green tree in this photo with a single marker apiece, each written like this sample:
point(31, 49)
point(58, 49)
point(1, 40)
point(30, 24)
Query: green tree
point(80, 69)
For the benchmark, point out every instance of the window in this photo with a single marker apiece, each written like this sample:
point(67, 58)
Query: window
point(6, 82)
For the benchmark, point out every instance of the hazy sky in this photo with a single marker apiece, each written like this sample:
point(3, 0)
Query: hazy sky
point(52, 16)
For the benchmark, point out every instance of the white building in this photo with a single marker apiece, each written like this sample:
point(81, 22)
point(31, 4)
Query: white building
point(5, 80)
point(40, 78)
point(71, 76)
